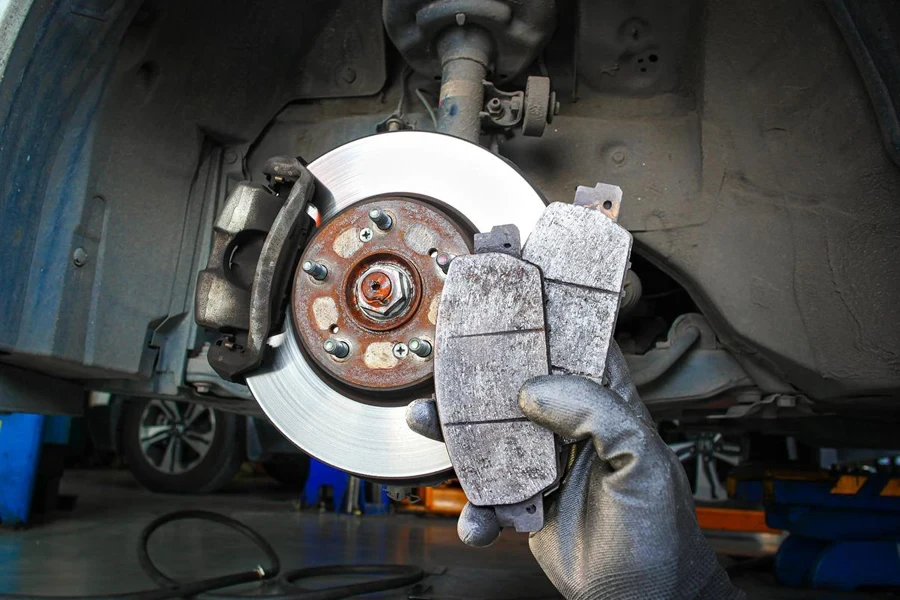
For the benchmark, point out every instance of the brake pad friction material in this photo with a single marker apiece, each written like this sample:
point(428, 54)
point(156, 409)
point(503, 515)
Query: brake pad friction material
point(583, 255)
point(490, 339)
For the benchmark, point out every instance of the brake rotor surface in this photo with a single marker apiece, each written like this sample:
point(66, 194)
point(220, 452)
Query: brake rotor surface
point(401, 172)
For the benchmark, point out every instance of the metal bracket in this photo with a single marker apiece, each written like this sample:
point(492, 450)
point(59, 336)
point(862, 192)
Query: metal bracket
point(256, 239)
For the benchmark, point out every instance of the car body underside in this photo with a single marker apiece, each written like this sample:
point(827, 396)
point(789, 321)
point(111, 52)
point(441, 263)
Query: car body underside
point(752, 142)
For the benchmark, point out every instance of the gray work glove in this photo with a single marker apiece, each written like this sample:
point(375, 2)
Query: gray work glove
point(622, 524)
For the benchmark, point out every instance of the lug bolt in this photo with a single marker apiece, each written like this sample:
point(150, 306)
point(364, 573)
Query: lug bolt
point(337, 348)
point(419, 347)
point(401, 350)
point(315, 270)
point(365, 234)
point(382, 220)
point(443, 261)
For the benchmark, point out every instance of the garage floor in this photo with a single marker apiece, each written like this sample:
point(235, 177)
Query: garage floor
point(91, 549)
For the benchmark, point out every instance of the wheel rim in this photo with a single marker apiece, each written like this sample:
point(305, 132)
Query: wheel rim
point(175, 436)
point(710, 452)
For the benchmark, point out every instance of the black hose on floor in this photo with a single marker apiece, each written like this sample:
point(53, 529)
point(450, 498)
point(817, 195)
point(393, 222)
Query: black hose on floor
point(385, 577)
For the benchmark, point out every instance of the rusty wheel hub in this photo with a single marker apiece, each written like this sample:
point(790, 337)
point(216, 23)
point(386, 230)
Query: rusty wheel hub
point(356, 430)
point(381, 289)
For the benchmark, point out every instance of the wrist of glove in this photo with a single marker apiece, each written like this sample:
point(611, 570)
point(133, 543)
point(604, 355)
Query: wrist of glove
point(622, 523)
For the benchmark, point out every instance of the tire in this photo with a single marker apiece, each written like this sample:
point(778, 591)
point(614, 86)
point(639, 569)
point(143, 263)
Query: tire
point(180, 447)
point(291, 470)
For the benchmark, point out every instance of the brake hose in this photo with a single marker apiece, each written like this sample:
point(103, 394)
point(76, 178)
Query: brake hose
point(385, 577)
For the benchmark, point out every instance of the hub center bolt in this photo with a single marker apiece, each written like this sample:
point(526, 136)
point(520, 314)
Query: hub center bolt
point(377, 288)
point(315, 270)
point(419, 347)
point(337, 348)
point(382, 220)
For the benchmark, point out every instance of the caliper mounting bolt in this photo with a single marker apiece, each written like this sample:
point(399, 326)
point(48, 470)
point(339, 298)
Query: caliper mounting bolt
point(337, 348)
point(382, 220)
point(315, 270)
point(419, 347)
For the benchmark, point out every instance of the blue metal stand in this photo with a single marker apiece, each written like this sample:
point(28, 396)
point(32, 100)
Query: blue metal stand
point(371, 500)
point(20, 448)
point(21, 438)
point(844, 530)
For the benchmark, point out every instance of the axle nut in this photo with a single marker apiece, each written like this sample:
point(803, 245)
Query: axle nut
point(383, 291)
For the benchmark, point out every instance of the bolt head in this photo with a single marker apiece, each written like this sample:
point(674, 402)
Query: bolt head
point(365, 234)
point(376, 288)
point(443, 261)
point(79, 257)
point(348, 74)
point(336, 349)
point(419, 347)
point(400, 350)
point(383, 291)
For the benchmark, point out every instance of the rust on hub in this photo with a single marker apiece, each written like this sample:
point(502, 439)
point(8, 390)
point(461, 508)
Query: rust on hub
point(379, 292)
point(376, 287)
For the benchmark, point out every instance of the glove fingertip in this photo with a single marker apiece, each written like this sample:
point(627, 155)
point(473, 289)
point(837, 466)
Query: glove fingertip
point(422, 417)
point(478, 526)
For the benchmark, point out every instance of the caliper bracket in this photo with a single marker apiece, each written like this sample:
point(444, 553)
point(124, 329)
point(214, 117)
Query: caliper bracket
point(241, 291)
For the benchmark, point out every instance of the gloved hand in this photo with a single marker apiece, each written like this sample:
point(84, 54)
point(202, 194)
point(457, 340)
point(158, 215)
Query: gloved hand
point(622, 524)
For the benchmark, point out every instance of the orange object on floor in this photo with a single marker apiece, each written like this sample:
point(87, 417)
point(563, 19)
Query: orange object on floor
point(444, 500)
point(733, 519)
point(450, 499)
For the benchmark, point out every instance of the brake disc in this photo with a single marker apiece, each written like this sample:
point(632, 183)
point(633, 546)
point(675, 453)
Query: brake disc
point(439, 190)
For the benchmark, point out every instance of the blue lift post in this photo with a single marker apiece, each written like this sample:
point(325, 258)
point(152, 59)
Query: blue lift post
point(844, 529)
point(22, 436)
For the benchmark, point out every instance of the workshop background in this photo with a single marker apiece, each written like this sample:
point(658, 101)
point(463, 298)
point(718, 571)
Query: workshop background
point(225, 231)
point(74, 517)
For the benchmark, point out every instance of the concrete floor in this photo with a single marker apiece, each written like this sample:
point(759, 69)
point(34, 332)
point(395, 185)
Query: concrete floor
point(91, 549)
